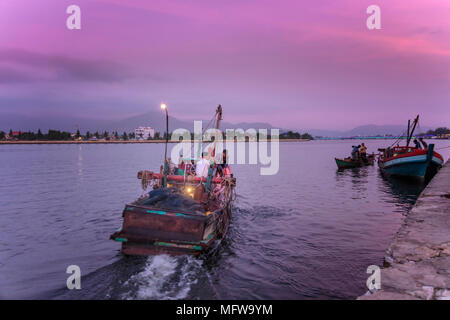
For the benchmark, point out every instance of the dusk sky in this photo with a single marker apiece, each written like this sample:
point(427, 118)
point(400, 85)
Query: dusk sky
point(292, 63)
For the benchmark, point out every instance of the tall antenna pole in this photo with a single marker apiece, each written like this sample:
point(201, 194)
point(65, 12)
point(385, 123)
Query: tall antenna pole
point(218, 119)
point(164, 107)
point(416, 120)
point(166, 164)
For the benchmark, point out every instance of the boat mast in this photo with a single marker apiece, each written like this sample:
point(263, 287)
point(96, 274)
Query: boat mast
point(416, 120)
point(218, 119)
point(211, 166)
point(409, 127)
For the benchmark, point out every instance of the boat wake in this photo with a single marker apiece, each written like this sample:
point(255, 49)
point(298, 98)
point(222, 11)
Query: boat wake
point(164, 277)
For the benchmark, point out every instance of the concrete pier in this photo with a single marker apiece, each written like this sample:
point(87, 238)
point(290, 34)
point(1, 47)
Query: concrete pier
point(417, 263)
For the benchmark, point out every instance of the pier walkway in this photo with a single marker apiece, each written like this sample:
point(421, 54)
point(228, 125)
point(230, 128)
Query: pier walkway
point(417, 263)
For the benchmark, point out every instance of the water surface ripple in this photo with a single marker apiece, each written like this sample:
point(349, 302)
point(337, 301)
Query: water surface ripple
point(308, 232)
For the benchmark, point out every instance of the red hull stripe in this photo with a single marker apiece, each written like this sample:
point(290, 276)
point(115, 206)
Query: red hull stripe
point(412, 154)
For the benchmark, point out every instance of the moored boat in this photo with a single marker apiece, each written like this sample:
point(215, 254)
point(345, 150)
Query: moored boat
point(183, 214)
point(407, 161)
point(350, 163)
point(410, 162)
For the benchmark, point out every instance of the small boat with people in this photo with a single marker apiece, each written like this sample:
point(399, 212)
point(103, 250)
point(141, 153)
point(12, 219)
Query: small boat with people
point(359, 158)
point(419, 161)
point(348, 162)
point(187, 210)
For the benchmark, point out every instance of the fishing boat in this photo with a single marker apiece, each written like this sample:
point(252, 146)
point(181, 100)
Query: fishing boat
point(183, 214)
point(408, 161)
point(350, 163)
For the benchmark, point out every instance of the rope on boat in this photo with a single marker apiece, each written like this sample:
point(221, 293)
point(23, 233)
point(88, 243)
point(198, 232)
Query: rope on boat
point(231, 184)
point(146, 179)
point(398, 139)
point(224, 191)
point(209, 124)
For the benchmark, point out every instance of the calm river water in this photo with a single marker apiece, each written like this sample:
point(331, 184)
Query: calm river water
point(309, 232)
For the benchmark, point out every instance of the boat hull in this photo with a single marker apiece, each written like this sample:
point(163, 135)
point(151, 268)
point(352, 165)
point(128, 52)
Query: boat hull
point(419, 164)
point(346, 164)
point(147, 231)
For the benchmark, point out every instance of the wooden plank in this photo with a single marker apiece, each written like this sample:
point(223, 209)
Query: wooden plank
point(163, 227)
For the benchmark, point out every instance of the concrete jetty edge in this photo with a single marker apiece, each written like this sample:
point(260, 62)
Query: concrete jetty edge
point(417, 263)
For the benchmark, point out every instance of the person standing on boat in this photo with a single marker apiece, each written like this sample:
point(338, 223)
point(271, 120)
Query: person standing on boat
point(202, 167)
point(181, 167)
point(417, 144)
point(191, 168)
point(355, 152)
point(363, 152)
point(424, 144)
point(221, 166)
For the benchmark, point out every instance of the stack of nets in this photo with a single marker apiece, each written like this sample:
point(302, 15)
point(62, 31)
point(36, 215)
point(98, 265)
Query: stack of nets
point(172, 199)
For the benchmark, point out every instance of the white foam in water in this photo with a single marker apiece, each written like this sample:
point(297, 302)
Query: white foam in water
point(164, 277)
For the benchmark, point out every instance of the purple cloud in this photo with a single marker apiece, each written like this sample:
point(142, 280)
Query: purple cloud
point(291, 63)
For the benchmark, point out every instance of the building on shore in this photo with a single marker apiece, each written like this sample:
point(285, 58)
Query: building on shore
point(143, 133)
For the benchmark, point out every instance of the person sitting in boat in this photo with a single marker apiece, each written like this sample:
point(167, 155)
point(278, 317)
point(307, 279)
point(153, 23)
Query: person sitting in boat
point(227, 171)
point(202, 166)
point(355, 152)
point(424, 144)
point(221, 166)
point(171, 166)
point(363, 152)
point(181, 167)
point(388, 152)
point(417, 144)
point(190, 168)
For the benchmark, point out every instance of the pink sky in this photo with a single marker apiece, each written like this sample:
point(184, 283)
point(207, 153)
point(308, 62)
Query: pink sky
point(291, 63)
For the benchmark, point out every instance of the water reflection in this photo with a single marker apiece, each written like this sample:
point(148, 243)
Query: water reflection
point(359, 179)
point(405, 191)
point(80, 162)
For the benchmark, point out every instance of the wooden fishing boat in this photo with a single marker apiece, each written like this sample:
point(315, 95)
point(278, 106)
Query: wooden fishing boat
point(350, 163)
point(201, 216)
point(406, 161)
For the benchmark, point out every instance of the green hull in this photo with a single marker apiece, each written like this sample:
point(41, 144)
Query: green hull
point(342, 164)
point(347, 163)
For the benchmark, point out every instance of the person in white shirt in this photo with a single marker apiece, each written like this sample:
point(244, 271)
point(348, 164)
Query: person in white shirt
point(201, 169)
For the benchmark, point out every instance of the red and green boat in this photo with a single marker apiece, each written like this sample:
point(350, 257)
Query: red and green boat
point(183, 214)
point(412, 162)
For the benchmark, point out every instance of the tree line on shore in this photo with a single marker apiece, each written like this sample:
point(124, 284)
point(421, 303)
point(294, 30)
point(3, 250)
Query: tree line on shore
point(53, 135)
point(57, 135)
point(296, 135)
point(437, 132)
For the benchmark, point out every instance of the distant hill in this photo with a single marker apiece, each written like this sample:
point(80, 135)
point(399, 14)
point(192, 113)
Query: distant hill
point(373, 130)
point(157, 120)
point(153, 119)
point(33, 123)
point(322, 133)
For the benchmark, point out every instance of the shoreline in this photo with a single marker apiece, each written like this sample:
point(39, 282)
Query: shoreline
point(417, 262)
point(127, 141)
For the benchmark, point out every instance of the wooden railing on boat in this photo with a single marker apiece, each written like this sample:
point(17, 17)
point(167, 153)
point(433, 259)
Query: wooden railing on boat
point(189, 179)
